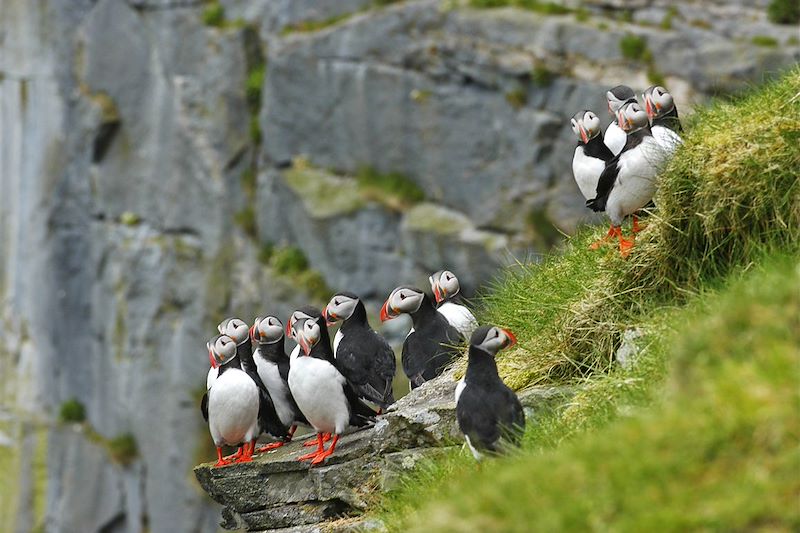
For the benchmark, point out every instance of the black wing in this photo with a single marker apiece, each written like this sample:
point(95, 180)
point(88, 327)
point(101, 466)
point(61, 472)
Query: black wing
point(369, 367)
point(486, 418)
point(604, 185)
point(360, 413)
point(204, 406)
point(267, 416)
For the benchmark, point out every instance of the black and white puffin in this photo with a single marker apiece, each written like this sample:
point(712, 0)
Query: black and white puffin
point(236, 329)
point(363, 357)
point(590, 158)
point(447, 293)
point(232, 405)
point(629, 180)
point(294, 317)
point(272, 363)
point(615, 137)
point(431, 344)
point(488, 412)
point(320, 390)
point(663, 114)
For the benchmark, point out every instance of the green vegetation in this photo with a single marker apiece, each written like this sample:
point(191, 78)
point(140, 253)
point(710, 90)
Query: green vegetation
point(541, 76)
point(246, 219)
point(666, 22)
point(289, 260)
point(214, 15)
point(709, 432)
point(129, 218)
point(123, 449)
point(654, 76)
point(764, 40)
point(394, 190)
point(315, 25)
point(517, 98)
point(634, 47)
point(784, 11)
point(545, 8)
point(72, 411)
point(582, 14)
point(255, 80)
point(265, 253)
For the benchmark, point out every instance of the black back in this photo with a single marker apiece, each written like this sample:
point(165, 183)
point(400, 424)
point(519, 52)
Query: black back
point(267, 416)
point(276, 353)
point(609, 176)
point(597, 149)
point(360, 413)
point(487, 409)
point(430, 348)
point(365, 359)
point(670, 120)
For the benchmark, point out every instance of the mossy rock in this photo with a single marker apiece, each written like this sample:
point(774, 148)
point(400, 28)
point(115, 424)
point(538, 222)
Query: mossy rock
point(323, 194)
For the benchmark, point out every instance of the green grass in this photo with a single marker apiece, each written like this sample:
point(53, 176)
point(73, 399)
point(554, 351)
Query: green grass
point(253, 84)
point(764, 40)
point(214, 15)
point(634, 47)
point(784, 11)
point(123, 448)
point(289, 260)
point(545, 8)
point(393, 189)
point(517, 98)
point(541, 76)
point(246, 219)
point(72, 411)
point(710, 419)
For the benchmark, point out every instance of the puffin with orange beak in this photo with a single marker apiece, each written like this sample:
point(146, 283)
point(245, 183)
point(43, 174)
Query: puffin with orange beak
point(432, 344)
point(615, 137)
point(488, 413)
point(447, 292)
point(663, 115)
point(629, 180)
point(363, 357)
point(322, 393)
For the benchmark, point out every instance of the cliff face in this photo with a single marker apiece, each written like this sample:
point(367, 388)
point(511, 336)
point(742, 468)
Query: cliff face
point(152, 181)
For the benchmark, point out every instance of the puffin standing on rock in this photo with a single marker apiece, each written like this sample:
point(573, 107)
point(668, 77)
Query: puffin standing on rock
point(447, 292)
point(591, 156)
point(363, 357)
point(232, 405)
point(617, 97)
point(430, 346)
point(629, 180)
point(320, 390)
point(488, 412)
point(273, 369)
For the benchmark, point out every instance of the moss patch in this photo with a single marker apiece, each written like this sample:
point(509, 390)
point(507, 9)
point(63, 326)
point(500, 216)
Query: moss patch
point(394, 190)
point(323, 194)
point(72, 411)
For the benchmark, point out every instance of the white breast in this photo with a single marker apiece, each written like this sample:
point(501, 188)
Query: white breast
point(587, 172)
point(667, 139)
point(460, 388)
point(233, 408)
point(317, 388)
point(636, 180)
point(336, 340)
point(615, 138)
point(459, 317)
point(212, 375)
point(294, 354)
point(278, 389)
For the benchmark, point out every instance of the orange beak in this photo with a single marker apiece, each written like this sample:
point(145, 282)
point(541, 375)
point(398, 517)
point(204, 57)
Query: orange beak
point(211, 359)
point(512, 339)
point(330, 318)
point(648, 106)
point(289, 327)
point(584, 136)
point(438, 293)
point(385, 312)
point(304, 345)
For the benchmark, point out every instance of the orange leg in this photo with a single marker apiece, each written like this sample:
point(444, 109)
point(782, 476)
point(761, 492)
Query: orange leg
point(221, 461)
point(247, 456)
point(270, 446)
point(625, 245)
point(313, 442)
point(319, 450)
point(636, 227)
point(327, 453)
point(236, 455)
point(600, 242)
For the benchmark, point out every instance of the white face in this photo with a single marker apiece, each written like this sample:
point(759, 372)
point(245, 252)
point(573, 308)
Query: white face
point(236, 329)
point(632, 117)
point(268, 330)
point(585, 125)
point(659, 103)
point(402, 300)
point(340, 307)
point(308, 334)
point(223, 350)
point(444, 285)
point(293, 319)
point(496, 339)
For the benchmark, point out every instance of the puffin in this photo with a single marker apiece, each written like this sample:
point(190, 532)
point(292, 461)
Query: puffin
point(272, 364)
point(616, 97)
point(590, 158)
point(232, 405)
point(294, 317)
point(363, 357)
point(236, 329)
point(323, 394)
point(629, 180)
point(663, 115)
point(447, 293)
point(431, 345)
point(488, 413)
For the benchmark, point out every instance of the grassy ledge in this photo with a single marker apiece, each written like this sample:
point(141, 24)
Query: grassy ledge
point(703, 425)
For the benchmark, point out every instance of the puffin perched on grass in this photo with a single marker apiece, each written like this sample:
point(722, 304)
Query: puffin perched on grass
point(363, 357)
point(663, 114)
point(432, 344)
point(488, 413)
point(322, 393)
point(447, 292)
point(629, 180)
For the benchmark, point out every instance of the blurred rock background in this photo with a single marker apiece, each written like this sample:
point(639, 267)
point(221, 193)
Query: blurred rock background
point(166, 163)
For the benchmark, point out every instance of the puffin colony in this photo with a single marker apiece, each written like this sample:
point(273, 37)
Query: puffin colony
point(254, 387)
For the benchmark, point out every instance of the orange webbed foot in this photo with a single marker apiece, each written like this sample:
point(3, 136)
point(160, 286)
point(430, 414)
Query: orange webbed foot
point(270, 446)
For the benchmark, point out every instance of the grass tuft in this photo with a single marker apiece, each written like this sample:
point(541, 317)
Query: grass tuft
point(393, 189)
point(214, 15)
point(123, 449)
point(72, 411)
point(537, 6)
point(633, 47)
point(784, 11)
point(246, 219)
point(764, 40)
point(289, 260)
